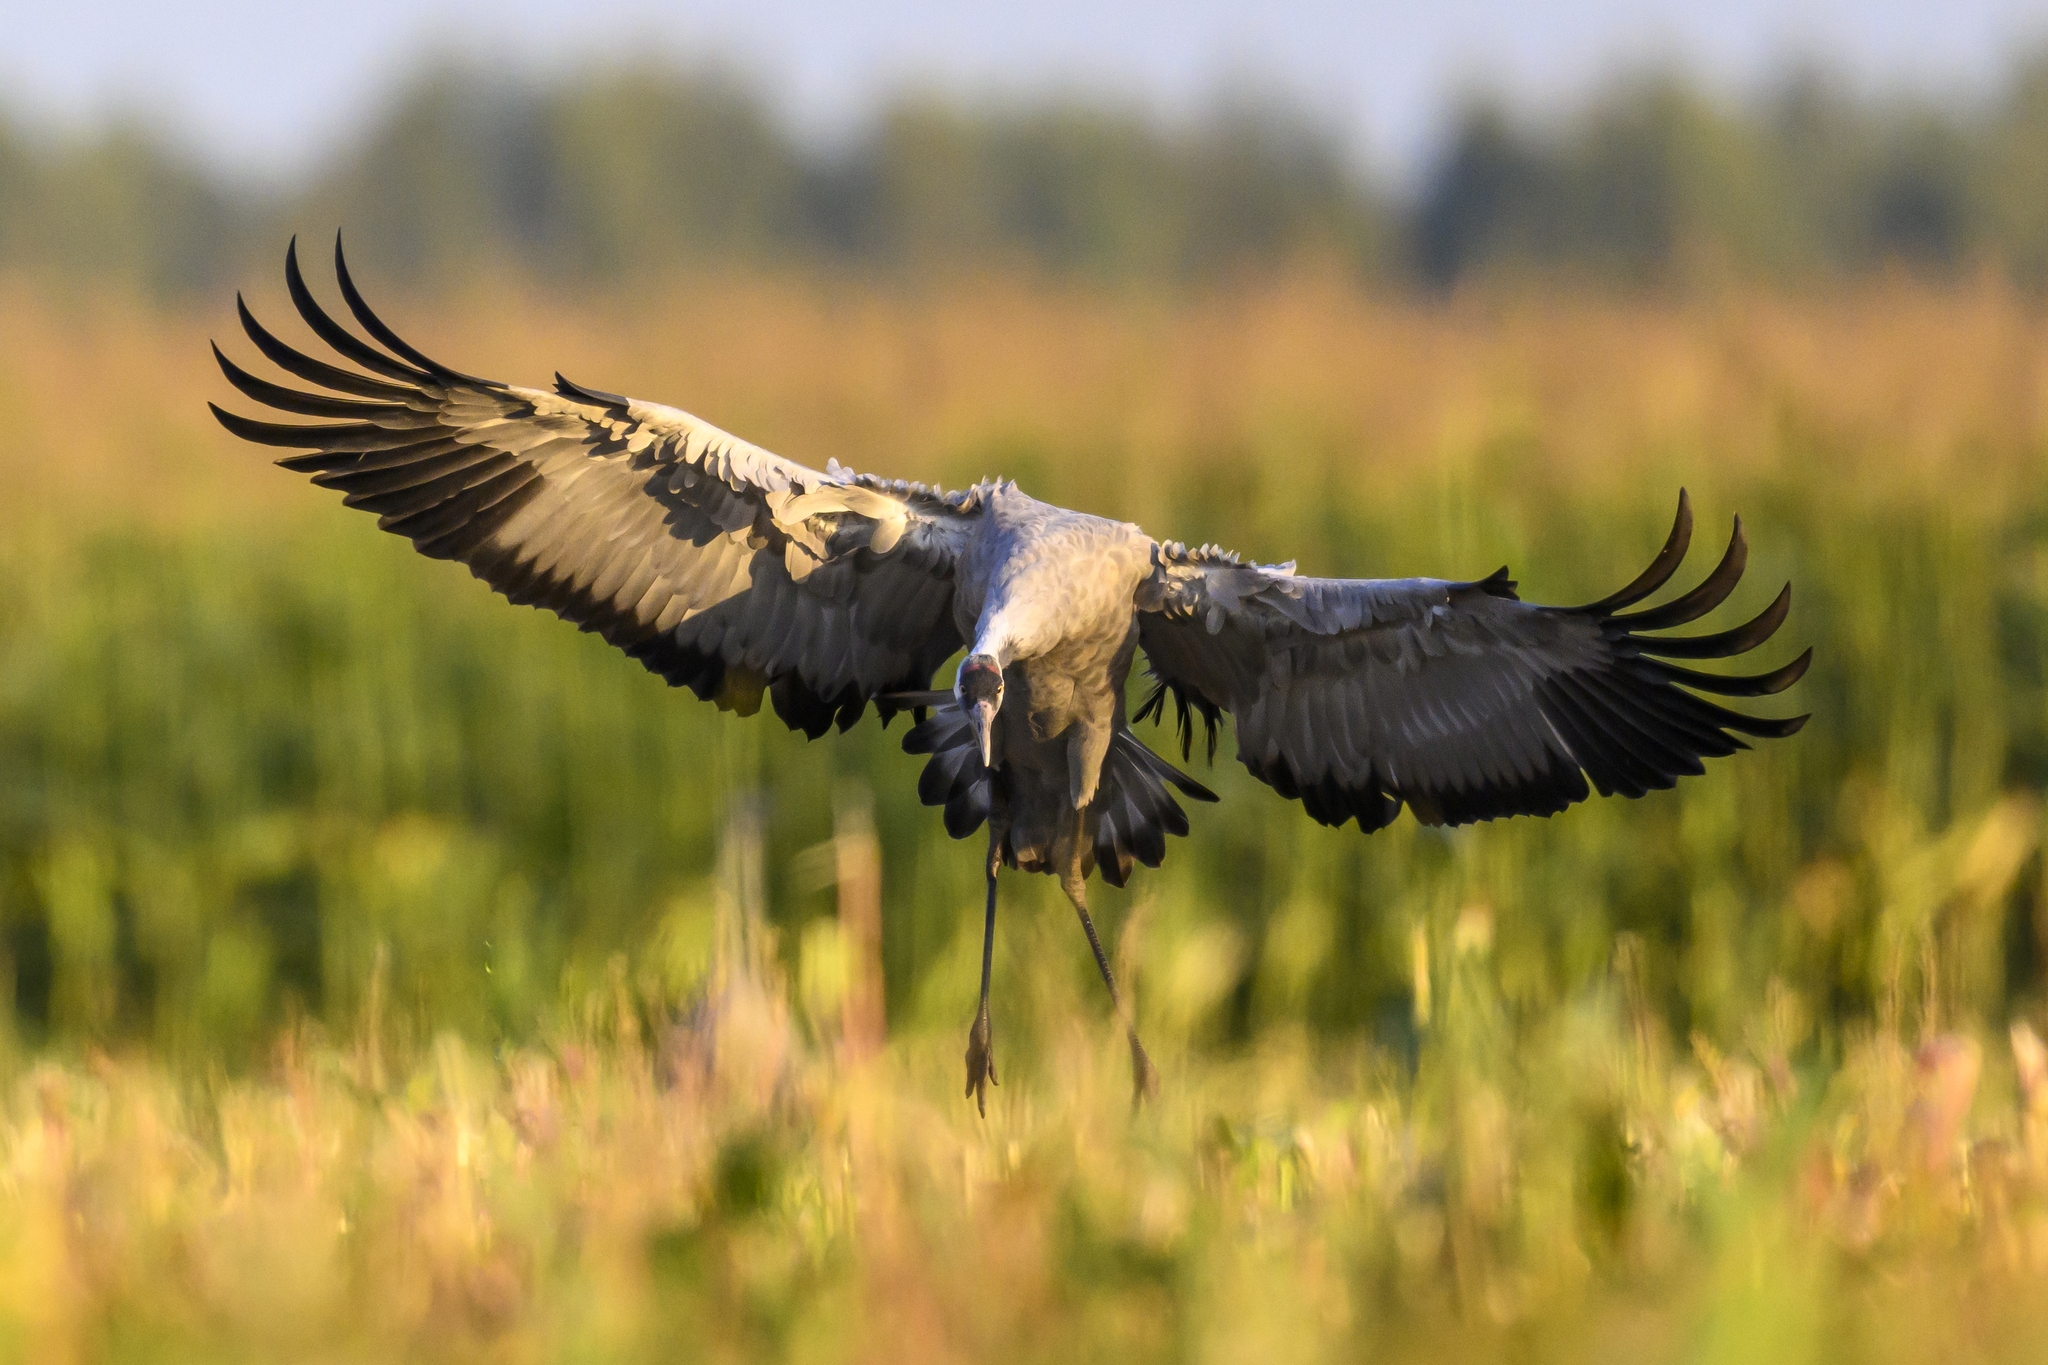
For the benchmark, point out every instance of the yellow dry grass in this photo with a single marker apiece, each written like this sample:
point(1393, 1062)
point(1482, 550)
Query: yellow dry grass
point(1906, 387)
point(724, 1190)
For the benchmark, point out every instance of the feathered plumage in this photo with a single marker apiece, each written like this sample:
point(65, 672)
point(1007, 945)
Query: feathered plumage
point(1456, 699)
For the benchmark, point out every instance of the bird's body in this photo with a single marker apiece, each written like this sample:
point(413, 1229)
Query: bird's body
point(739, 574)
point(1051, 596)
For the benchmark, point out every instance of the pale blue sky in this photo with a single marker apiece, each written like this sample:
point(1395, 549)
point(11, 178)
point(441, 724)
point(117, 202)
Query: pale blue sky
point(265, 86)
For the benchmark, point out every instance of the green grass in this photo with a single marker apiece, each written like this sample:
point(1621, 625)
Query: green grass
point(236, 766)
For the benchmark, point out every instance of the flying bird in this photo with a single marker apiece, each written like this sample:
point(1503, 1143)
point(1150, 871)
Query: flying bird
point(740, 574)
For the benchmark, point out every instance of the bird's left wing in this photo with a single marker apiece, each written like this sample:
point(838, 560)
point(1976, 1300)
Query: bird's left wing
point(1457, 699)
point(718, 565)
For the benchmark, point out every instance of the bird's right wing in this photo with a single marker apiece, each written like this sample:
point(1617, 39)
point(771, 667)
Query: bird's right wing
point(1457, 699)
point(718, 565)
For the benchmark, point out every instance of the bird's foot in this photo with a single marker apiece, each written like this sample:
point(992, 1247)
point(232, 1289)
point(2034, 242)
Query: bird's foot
point(1144, 1077)
point(981, 1064)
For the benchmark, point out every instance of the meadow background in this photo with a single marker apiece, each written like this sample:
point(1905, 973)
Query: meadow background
point(389, 973)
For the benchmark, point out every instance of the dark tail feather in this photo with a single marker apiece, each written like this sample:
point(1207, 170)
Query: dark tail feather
point(953, 777)
point(1134, 810)
point(1160, 768)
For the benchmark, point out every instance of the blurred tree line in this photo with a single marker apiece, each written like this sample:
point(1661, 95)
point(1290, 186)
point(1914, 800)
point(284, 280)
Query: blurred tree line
point(630, 170)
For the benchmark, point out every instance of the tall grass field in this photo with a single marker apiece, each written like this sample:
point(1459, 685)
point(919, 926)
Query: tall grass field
point(387, 973)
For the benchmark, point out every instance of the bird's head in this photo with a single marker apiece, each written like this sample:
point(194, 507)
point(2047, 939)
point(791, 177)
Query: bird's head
point(979, 689)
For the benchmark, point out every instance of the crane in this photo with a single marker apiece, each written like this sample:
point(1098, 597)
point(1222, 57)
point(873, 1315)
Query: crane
point(740, 574)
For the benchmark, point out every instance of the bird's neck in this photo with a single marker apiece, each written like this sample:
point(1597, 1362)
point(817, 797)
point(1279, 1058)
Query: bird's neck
point(994, 642)
point(1005, 633)
point(1025, 616)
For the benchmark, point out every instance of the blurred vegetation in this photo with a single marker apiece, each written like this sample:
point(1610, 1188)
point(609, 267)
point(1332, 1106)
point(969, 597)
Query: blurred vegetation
point(243, 753)
point(623, 171)
point(736, 1186)
point(641, 169)
point(236, 766)
point(388, 973)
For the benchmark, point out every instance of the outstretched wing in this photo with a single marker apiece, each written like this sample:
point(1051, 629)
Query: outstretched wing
point(1456, 698)
point(719, 566)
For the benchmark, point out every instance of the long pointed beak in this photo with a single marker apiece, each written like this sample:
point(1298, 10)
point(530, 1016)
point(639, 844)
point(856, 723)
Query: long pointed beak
point(982, 716)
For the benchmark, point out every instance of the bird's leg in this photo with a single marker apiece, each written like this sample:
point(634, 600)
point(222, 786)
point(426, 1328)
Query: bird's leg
point(1144, 1080)
point(981, 1066)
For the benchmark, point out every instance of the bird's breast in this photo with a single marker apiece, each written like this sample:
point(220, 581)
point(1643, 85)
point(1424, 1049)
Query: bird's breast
point(1056, 586)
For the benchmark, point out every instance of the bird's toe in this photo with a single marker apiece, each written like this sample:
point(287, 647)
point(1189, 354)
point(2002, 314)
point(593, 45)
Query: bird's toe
point(981, 1064)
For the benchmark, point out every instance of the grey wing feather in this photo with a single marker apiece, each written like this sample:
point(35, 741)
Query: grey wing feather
point(1456, 699)
point(718, 565)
